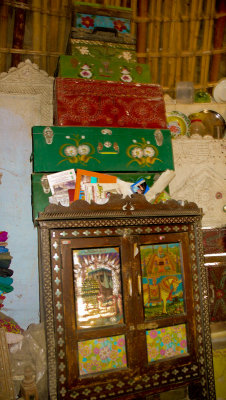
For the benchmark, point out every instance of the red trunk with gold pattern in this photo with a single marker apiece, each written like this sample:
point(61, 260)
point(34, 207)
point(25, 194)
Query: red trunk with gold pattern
point(104, 103)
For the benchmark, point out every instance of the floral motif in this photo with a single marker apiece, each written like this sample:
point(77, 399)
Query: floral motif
point(217, 287)
point(153, 334)
point(125, 75)
point(107, 144)
point(77, 152)
point(127, 55)
point(128, 106)
point(174, 128)
point(87, 21)
point(166, 339)
point(149, 151)
point(85, 72)
point(126, 78)
point(137, 152)
point(219, 294)
point(84, 351)
point(83, 149)
point(119, 25)
point(71, 151)
point(153, 353)
point(90, 21)
point(167, 342)
point(83, 50)
point(143, 153)
point(103, 354)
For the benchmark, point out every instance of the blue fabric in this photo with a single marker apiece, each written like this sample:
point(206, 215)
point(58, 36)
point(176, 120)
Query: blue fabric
point(3, 249)
point(6, 281)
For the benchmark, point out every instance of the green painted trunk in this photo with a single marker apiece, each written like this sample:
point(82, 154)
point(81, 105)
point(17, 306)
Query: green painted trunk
point(103, 67)
point(101, 149)
point(113, 51)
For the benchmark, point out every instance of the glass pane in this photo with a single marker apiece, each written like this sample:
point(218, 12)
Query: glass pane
point(99, 355)
point(98, 289)
point(166, 342)
point(162, 279)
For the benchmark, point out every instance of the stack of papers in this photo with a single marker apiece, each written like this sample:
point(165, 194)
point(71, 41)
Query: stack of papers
point(70, 185)
point(62, 184)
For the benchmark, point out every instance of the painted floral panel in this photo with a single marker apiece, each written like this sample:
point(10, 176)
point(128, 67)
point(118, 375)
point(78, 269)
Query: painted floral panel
point(88, 21)
point(166, 342)
point(217, 291)
point(98, 290)
point(214, 240)
point(104, 354)
point(162, 279)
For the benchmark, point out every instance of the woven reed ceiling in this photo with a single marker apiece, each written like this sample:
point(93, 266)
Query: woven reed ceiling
point(180, 40)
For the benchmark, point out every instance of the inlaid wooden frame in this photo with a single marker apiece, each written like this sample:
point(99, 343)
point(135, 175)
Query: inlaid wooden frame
point(120, 221)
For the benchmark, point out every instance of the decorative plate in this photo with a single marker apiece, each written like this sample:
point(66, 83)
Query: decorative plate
point(212, 120)
point(178, 124)
point(219, 92)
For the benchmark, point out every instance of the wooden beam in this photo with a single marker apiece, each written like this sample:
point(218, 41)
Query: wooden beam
point(18, 33)
point(142, 30)
point(219, 31)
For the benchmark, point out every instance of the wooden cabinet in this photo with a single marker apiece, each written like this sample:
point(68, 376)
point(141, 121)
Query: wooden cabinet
point(125, 300)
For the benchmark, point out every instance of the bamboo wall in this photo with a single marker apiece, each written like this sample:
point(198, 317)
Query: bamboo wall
point(34, 29)
point(185, 41)
point(181, 40)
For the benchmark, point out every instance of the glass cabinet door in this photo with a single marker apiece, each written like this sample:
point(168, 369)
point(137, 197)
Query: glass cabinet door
point(121, 306)
point(165, 299)
point(162, 279)
point(97, 305)
point(98, 299)
point(98, 287)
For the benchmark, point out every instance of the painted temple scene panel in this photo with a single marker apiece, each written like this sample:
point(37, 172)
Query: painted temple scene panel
point(103, 354)
point(162, 280)
point(166, 342)
point(98, 288)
